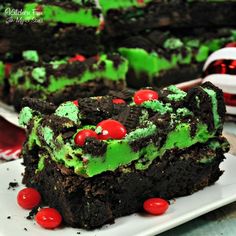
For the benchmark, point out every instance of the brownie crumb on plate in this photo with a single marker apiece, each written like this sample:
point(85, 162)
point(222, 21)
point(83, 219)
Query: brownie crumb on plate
point(13, 185)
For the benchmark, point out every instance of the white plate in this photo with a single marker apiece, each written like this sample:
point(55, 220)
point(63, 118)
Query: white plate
point(9, 113)
point(183, 210)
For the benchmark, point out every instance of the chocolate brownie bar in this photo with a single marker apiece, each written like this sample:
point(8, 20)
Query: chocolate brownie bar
point(52, 28)
point(132, 16)
point(161, 58)
point(165, 147)
point(67, 79)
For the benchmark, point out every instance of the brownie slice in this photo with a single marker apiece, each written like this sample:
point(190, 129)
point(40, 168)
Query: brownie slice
point(52, 28)
point(163, 57)
point(128, 17)
point(61, 80)
point(166, 147)
point(91, 203)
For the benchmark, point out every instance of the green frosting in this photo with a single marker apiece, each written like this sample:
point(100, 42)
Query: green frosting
point(47, 134)
point(2, 72)
point(107, 5)
point(56, 64)
point(41, 162)
point(198, 101)
point(25, 116)
point(180, 51)
point(141, 133)
point(33, 137)
point(157, 106)
point(183, 112)
point(68, 110)
point(52, 13)
point(150, 63)
point(39, 74)
point(212, 95)
point(173, 43)
point(175, 90)
point(177, 94)
point(193, 43)
point(175, 97)
point(202, 54)
point(31, 55)
point(119, 152)
point(57, 14)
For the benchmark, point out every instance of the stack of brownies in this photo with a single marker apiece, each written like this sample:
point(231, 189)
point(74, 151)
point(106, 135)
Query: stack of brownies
point(73, 60)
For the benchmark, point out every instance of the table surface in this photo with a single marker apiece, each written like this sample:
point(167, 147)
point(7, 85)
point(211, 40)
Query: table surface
point(221, 222)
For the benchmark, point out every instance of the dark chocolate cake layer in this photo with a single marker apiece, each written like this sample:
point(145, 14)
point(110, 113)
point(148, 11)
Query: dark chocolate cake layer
point(48, 40)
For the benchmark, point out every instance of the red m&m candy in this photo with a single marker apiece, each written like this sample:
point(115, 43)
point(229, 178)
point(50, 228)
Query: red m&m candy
point(81, 136)
point(39, 9)
point(76, 102)
point(78, 57)
point(111, 129)
point(144, 95)
point(7, 71)
point(140, 1)
point(118, 101)
point(156, 206)
point(48, 218)
point(28, 198)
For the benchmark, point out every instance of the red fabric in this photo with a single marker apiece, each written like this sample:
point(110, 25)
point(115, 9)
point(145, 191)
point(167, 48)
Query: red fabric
point(11, 140)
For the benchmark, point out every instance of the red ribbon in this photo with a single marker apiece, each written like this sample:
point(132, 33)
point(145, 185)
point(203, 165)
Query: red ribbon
point(11, 140)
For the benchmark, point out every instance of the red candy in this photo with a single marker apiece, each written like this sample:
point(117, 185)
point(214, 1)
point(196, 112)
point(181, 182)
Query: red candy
point(144, 95)
point(231, 45)
point(76, 102)
point(78, 57)
point(48, 218)
point(28, 198)
point(7, 69)
point(111, 129)
point(81, 136)
point(39, 9)
point(155, 206)
point(140, 1)
point(118, 101)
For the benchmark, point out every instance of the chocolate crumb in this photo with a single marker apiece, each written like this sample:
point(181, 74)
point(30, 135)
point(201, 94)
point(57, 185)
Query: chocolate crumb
point(78, 232)
point(32, 213)
point(13, 185)
point(25, 229)
point(9, 217)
